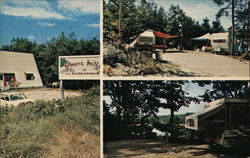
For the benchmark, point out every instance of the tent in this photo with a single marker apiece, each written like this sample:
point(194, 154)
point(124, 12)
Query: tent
point(18, 70)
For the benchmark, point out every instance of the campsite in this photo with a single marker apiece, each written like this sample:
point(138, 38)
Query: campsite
point(176, 119)
point(164, 39)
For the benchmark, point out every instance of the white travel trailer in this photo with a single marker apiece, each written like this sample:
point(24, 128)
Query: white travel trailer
point(220, 42)
point(18, 70)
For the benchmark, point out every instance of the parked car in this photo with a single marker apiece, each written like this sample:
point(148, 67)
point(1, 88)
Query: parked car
point(14, 99)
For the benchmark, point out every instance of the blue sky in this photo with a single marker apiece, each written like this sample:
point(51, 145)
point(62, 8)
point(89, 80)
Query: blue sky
point(194, 90)
point(41, 20)
point(197, 9)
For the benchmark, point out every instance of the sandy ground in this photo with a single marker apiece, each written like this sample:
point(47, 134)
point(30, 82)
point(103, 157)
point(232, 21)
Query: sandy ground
point(209, 64)
point(157, 149)
point(47, 93)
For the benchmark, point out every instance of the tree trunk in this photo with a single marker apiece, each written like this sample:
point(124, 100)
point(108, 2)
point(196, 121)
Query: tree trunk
point(233, 7)
point(171, 120)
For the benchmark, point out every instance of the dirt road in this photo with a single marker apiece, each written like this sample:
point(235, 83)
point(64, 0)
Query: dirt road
point(47, 93)
point(208, 64)
point(157, 149)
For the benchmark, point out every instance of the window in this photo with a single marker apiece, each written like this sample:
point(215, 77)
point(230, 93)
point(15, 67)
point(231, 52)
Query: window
point(220, 41)
point(30, 76)
point(190, 122)
point(146, 39)
point(14, 97)
point(1, 77)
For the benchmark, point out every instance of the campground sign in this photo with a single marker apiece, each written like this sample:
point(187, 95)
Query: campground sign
point(79, 67)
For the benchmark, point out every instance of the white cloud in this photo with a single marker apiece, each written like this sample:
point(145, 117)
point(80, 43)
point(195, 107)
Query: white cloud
point(34, 13)
point(30, 9)
point(27, 3)
point(31, 37)
point(46, 24)
point(80, 7)
point(92, 25)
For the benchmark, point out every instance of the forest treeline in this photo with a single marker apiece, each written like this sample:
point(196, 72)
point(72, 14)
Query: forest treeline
point(124, 20)
point(46, 54)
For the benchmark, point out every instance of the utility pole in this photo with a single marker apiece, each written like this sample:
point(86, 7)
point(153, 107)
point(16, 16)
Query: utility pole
point(233, 7)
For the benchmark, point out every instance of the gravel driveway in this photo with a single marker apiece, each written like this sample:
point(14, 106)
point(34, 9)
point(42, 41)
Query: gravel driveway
point(47, 93)
point(208, 64)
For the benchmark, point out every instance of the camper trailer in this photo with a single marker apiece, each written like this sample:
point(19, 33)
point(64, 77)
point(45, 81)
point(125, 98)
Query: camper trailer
point(219, 42)
point(18, 70)
point(151, 39)
point(224, 122)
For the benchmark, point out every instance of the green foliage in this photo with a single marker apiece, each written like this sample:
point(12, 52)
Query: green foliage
point(241, 15)
point(224, 89)
point(26, 131)
point(113, 56)
point(20, 45)
point(216, 27)
point(124, 20)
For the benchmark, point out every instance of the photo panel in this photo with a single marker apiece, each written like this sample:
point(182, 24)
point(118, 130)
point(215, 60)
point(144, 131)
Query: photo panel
point(181, 118)
point(50, 78)
point(176, 38)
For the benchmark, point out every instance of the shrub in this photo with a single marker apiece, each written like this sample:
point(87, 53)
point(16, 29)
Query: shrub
point(246, 56)
point(26, 132)
point(70, 142)
point(150, 69)
point(137, 57)
point(112, 56)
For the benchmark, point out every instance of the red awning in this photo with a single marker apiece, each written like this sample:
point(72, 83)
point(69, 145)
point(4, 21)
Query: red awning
point(163, 35)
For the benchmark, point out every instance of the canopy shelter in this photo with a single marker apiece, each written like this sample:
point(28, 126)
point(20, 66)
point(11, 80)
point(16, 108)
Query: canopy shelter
point(222, 113)
point(163, 35)
point(152, 39)
point(200, 42)
point(207, 36)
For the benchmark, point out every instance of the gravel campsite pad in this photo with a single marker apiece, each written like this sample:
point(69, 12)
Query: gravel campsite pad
point(189, 64)
point(157, 148)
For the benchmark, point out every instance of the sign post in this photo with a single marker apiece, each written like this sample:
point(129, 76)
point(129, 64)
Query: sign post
point(78, 67)
point(61, 91)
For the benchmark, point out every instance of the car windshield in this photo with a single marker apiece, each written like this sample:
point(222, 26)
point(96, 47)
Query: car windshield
point(14, 97)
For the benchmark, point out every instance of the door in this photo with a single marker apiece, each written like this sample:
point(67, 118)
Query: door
point(9, 79)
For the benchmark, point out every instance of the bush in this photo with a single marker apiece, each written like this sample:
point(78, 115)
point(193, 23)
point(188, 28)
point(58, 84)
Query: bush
point(112, 56)
point(26, 132)
point(246, 56)
point(137, 57)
